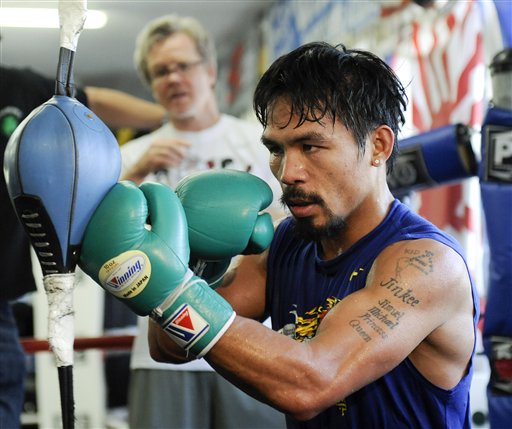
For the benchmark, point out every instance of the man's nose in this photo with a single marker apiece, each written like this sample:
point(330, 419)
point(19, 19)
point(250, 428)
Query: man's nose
point(292, 169)
point(173, 75)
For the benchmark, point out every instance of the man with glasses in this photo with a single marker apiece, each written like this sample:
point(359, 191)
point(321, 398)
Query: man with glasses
point(176, 58)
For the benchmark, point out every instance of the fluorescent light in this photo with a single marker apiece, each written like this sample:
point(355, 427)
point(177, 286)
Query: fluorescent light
point(26, 17)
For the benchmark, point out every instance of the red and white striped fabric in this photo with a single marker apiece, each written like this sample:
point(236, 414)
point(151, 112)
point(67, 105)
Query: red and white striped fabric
point(447, 75)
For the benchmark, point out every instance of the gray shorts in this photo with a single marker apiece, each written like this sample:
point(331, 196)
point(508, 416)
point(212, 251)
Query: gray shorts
point(160, 399)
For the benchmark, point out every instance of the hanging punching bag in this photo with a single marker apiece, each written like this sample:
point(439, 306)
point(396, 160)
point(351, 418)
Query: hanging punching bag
point(58, 165)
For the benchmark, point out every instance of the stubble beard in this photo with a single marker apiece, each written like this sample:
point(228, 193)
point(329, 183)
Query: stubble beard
point(305, 228)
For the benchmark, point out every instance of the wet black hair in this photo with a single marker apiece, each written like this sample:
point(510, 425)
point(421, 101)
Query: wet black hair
point(323, 80)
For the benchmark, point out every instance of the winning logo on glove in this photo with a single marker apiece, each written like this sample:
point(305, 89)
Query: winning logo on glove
point(126, 275)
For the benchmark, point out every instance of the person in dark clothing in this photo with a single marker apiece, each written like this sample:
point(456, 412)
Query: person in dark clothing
point(374, 307)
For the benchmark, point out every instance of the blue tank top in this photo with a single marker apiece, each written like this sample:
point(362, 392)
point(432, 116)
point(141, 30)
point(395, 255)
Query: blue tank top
point(302, 288)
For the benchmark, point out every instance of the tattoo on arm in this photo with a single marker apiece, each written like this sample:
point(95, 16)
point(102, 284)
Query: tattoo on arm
point(421, 261)
point(383, 317)
point(380, 319)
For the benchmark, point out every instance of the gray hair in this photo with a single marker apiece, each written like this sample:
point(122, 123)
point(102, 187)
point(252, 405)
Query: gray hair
point(161, 28)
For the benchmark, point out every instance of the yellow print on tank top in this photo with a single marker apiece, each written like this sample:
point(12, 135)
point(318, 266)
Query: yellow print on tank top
point(306, 327)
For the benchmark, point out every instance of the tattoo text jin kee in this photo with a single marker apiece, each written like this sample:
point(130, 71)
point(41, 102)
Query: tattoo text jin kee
point(380, 319)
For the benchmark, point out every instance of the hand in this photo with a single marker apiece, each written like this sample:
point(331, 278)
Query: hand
point(223, 214)
point(162, 154)
point(146, 268)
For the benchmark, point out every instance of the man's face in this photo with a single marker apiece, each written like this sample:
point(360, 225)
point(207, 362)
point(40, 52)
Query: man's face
point(181, 80)
point(324, 178)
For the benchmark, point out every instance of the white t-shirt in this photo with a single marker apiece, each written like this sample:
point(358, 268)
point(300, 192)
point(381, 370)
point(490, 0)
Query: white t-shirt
point(231, 143)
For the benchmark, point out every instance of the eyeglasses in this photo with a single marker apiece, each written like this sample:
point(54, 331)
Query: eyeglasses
point(182, 69)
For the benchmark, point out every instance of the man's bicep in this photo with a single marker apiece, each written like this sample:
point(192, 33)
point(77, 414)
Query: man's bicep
point(377, 327)
point(370, 335)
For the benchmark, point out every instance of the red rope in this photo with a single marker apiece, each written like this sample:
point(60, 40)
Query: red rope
point(109, 342)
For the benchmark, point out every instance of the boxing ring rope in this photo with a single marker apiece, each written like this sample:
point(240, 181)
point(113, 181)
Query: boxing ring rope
point(108, 342)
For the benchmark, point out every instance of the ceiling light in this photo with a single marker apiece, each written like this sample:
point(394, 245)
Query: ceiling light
point(25, 17)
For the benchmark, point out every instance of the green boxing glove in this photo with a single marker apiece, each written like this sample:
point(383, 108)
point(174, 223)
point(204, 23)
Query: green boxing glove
point(223, 209)
point(147, 267)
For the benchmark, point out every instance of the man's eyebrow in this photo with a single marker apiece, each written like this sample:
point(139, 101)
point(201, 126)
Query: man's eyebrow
point(267, 142)
point(308, 136)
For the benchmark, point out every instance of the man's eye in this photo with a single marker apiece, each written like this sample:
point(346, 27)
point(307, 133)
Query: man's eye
point(307, 147)
point(274, 150)
point(159, 72)
point(183, 67)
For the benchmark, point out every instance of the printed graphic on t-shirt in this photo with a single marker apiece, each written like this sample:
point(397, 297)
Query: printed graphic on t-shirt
point(227, 163)
point(305, 328)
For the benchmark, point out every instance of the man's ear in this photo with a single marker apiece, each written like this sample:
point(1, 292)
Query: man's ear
point(382, 143)
point(212, 74)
